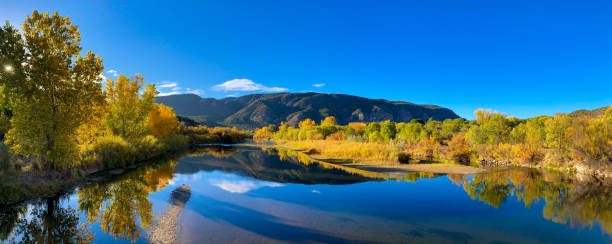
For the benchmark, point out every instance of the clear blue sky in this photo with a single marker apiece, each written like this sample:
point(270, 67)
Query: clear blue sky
point(520, 57)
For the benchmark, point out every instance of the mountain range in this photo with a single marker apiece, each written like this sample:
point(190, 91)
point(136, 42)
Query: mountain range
point(256, 110)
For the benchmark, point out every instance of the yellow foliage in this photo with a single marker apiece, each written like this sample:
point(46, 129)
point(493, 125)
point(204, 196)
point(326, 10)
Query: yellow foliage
point(458, 149)
point(162, 121)
point(337, 136)
point(262, 134)
point(357, 126)
point(350, 150)
point(329, 120)
point(307, 123)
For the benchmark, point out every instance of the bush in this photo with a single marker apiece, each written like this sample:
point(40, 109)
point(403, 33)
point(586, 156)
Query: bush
point(113, 151)
point(148, 147)
point(458, 149)
point(174, 143)
point(404, 157)
point(203, 134)
point(337, 136)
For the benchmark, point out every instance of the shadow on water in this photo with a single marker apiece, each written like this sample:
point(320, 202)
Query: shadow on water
point(122, 208)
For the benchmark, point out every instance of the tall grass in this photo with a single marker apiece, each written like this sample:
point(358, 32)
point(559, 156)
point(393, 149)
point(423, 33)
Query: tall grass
point(203, 134)
point(350, 150)
point(117, 152)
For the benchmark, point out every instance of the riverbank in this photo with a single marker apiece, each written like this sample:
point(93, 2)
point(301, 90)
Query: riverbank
point(379, 168)
point(378, 157)
point(27, 179)
point(22, 186)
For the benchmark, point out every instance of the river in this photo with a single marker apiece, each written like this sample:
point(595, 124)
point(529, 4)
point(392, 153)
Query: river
point(251, 195)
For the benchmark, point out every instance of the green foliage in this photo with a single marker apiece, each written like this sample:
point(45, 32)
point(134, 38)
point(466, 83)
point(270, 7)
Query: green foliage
point(56, 87)
point(490, 128)
point(410, 132)
point(388, 130)
point(126, 109)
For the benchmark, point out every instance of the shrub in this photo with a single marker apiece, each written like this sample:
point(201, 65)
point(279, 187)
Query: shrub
point(147, 148)
point(113, 151)
point(203, 134)
point(337, 136)
point(458, 149)
point(404, 157)
point(175, 143)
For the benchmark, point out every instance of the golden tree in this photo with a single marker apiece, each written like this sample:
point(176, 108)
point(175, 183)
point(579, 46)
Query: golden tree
point(329, 120)
point(307, 123)
point(127, 111)
point(162, 121)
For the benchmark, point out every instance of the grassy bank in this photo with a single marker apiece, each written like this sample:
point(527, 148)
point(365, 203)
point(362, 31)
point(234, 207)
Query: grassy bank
point(371, 157)
point(24, 178)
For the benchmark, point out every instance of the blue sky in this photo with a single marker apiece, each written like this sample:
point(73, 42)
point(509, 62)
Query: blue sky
point(520, 57)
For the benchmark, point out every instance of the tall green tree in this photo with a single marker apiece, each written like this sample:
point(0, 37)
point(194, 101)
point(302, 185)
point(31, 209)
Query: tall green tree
point(12, 55)
point(57, 87)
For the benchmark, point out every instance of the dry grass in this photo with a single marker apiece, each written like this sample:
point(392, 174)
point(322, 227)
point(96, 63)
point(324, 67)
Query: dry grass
point(347, 150)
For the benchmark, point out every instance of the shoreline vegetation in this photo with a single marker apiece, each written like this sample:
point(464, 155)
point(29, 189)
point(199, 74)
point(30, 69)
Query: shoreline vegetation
point(578, 145)
point(62, 120)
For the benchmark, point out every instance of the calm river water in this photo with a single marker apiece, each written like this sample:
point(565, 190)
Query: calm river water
point(251, 195)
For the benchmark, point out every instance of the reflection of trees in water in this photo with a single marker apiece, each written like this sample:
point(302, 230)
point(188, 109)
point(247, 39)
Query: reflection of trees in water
point(216, 151)
point(415, 176)
point(579, 204)
point(47, 223)
point(119, 205)
point(8, 220)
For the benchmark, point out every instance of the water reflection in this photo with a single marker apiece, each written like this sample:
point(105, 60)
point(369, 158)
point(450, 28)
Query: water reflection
point(241, 186)
point(43, 223)
point(119, 205)
point(272, 165)
point(581, 205)
point(122, 207)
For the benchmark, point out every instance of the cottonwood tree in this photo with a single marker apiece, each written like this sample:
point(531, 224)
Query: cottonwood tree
point(56, 87)
point(126, 110)
point(162, 121)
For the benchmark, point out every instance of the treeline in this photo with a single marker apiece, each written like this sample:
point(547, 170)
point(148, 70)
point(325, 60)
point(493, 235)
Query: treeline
point(56, 114)
point(492, 138)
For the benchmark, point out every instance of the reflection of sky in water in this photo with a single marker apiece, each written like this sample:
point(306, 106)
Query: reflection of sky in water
point(433, 209)
point(241, 186)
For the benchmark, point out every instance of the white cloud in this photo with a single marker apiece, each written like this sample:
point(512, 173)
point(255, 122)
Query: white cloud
point(113, 72)
point(167, 88)
point(245, 85)
point(167, 84)
point(316, 191)
point(241, 186)
point(319, 85)
point(161, 94)
point(194, 91)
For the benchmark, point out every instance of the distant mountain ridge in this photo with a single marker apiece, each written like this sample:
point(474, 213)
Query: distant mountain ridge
point(258, 110)
point(595, 113)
